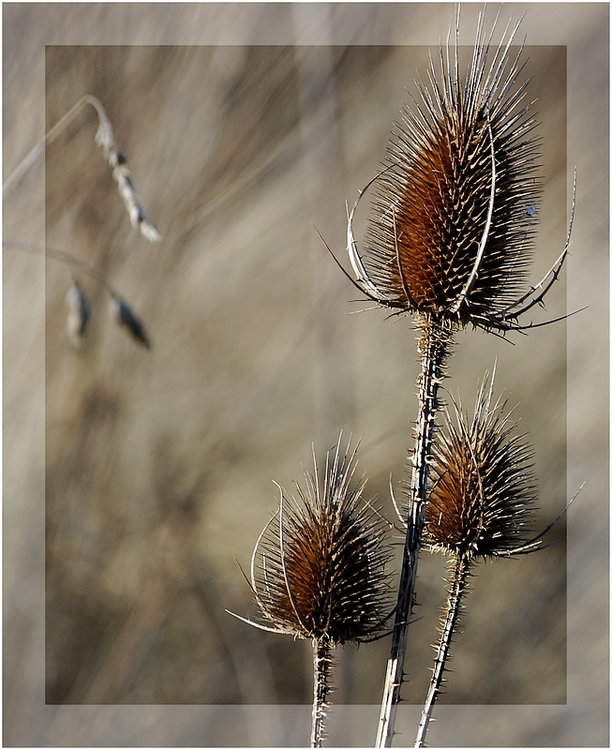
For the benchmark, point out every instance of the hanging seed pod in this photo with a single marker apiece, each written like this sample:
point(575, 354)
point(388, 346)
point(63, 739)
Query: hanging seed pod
point(79, 315)
point(127, 191)
point(126, 319)
point(105, 138)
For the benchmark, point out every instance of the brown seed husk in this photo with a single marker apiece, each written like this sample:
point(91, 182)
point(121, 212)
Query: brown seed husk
point(320, 564)
point(483, 487)
point(436, 241)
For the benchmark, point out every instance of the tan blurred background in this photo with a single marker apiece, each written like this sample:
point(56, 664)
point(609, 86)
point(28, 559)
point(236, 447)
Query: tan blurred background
point(142, 479)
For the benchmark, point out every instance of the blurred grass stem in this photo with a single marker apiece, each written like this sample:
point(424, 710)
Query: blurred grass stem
point(49, 137)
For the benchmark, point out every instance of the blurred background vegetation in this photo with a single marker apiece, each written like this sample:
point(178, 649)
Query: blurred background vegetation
point(158, 466)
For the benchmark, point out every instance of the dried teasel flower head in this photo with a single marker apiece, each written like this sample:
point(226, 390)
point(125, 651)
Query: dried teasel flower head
point(453, 216)
point(318, 568)
point(483, 487)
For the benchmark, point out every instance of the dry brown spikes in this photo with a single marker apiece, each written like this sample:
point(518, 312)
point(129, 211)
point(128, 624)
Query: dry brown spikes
point(449, 234)
point(449, 240)
point(480, 505)
point(318, 568)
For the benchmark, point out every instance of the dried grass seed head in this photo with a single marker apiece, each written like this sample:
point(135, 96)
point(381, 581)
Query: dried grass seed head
point(118, 163)
point(318, 568)
point(125, 318)
point(79, 315)
point(454, 211)
point(483, 486)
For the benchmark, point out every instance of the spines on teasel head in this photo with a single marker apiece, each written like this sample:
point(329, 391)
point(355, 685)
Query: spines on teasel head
point(454, 211)
point(483, 486)
point(318, 569)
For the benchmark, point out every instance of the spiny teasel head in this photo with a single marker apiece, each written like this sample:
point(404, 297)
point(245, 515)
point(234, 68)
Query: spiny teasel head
point(483, 487)
point(318, 569)
point(453, 216)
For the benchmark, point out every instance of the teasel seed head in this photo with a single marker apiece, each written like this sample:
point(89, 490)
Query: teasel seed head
point(454, 211)
point(318, 569)
point(483, 487)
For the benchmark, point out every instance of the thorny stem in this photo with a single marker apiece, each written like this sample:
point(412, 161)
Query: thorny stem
point(322, 665)
point(433, 345)
point(456, 591)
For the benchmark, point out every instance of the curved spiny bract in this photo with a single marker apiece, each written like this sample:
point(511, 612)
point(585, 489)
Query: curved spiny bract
point(480, 505)
point(453, 215)
point(319, 567)
point(483, 487)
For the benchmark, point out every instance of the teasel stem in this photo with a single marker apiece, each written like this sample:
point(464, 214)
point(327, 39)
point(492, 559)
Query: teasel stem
point(433, 344)
point(322, 667)
point(456, 591)
point(318, 570)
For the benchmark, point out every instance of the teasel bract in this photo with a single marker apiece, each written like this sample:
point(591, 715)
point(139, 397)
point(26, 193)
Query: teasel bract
point(451, 228)
point(481, 505)
point(449, 240)
point(318, 570)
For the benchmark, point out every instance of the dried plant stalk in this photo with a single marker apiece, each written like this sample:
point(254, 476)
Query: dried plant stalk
point(318, 570)
point(450, 238)
point(322, 667)
point(433, 343)
point(117, 162)
point(480, 505)
point(457, 587)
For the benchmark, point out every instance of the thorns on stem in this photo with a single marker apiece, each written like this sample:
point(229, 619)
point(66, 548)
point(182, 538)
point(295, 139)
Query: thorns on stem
point(322, 667)
point(434, 343)
point(318, 568)
point(456, 591)
point(480, 505)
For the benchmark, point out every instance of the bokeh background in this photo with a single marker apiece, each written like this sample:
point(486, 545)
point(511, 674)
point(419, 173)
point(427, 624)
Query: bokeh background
point(136, 483)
